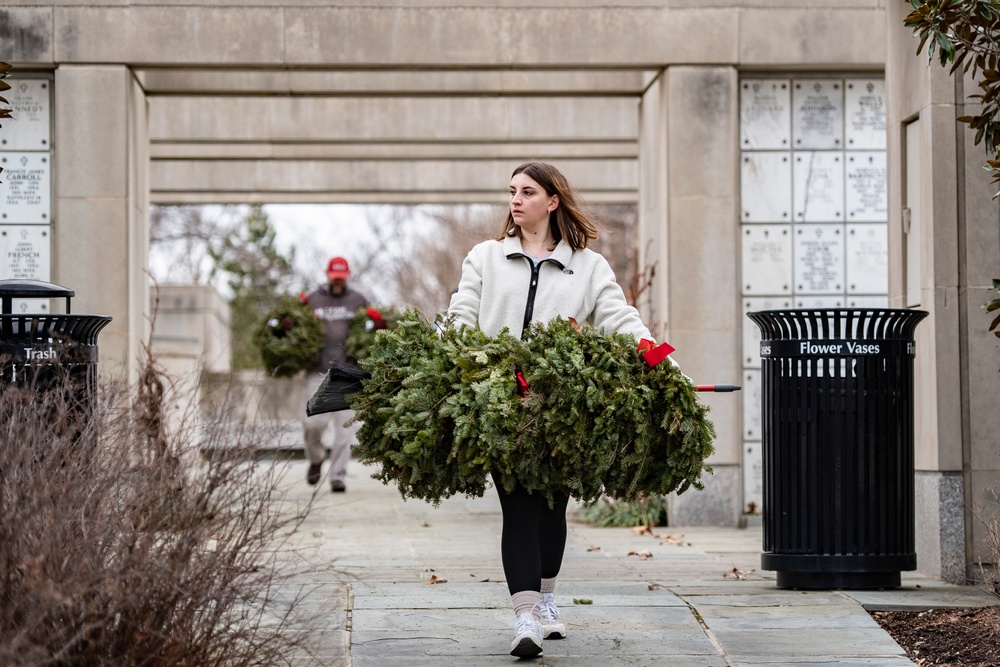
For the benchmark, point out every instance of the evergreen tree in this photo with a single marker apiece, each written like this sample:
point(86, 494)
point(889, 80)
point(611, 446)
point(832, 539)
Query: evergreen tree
point(258, 276)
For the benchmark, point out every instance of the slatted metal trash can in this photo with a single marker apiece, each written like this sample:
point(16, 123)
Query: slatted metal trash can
point(837, 446)
point(47, 351)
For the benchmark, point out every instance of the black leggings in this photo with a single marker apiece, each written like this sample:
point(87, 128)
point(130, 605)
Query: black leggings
point(533, 538)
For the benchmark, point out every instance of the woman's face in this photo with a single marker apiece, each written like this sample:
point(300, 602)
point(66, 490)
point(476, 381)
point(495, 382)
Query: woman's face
point(530, 205)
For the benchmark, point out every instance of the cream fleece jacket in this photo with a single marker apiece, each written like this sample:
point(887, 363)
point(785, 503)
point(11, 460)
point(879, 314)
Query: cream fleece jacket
point(498, 280)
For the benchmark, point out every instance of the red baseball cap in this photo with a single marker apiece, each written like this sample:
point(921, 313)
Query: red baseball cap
point(338, 267)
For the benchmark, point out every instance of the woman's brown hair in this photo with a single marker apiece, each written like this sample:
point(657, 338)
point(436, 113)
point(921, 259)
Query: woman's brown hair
point(568, 221)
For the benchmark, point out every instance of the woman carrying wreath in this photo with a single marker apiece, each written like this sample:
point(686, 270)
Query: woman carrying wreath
point(539, 268)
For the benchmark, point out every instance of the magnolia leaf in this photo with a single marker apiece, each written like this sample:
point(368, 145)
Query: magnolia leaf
point(436, 580)
point(645, 554)
point(653, 586)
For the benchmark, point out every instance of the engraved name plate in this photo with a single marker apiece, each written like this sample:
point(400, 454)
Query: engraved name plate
point(751, 405)
point(28, 129)
point(753, 477)
point(766, 187)
point(865, 113)
point(867, 191)
point(819, 259)
point(765, 113)
point(767, 260)
point(26, 191)
point(751, 332)
point(868, 259)
point(818, 186)
point(25, 252)
point(817, 113)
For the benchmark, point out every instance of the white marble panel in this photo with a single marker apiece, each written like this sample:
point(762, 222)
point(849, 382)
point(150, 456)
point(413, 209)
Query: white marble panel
point(765, 114)
point(867, 186)
point(818, 113)
point(751, 332)
point(881, 301)
point(819, 301)
point(819, 259)
point(753, 477)
point(818, 182)
point(26, 190)
point(766, 186)
point(29, 129)
point(25, 306)
point(25, 252)
point(766, 254)
point(868, 259)
point(864, 113)
point(751, 404)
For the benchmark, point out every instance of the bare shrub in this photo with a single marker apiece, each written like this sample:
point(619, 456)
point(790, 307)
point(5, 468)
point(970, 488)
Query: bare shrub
point(119, 547)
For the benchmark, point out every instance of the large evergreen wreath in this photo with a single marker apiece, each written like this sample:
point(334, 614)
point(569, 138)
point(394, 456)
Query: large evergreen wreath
point(289, 338)
point(442, 410)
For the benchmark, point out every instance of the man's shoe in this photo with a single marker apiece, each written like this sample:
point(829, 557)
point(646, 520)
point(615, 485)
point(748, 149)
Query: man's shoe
point(552, 625)
point(312, 475)
point(527, 637)
point(337, 486)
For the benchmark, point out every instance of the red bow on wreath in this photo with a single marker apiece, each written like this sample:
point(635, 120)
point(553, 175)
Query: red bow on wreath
point(652, 353)
point(376, 317)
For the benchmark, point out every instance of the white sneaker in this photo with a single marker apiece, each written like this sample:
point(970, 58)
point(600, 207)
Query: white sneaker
point(527, 637)
point(552, 625)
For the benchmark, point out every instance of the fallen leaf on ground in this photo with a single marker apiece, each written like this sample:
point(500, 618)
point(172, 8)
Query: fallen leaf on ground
point(641, 530)
point(737, 573)
point(582, 601)
point(593, 548)
point(644, 554)
point(653, 586)
point(670, 538)
point(436, 580)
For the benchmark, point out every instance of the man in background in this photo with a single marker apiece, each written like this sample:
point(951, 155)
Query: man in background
point(335, 304)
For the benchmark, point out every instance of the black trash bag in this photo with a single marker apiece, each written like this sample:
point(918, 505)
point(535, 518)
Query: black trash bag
point(340, 381)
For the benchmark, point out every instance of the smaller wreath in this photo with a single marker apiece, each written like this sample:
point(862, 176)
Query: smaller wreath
point(366, 323)
point(289, 338)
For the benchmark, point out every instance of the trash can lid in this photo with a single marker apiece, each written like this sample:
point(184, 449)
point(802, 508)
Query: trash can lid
point(32, 289)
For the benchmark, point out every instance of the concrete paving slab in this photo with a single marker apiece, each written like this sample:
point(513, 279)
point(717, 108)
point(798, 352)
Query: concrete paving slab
point(368, 555)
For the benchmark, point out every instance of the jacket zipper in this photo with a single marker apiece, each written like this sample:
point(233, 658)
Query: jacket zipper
point(529, 307)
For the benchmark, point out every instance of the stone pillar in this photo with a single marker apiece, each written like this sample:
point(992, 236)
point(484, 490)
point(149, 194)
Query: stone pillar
point(946, 269)
point(689, 222)
point(101, 193)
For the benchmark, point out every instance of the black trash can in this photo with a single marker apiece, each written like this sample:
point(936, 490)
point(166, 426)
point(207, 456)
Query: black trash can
point(837, 436)
point(48, 352)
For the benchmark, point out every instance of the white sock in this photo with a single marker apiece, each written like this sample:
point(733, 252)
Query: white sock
point(526, 602)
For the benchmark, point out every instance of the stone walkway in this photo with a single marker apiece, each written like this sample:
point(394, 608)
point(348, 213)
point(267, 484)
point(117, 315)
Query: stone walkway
point(368, 559)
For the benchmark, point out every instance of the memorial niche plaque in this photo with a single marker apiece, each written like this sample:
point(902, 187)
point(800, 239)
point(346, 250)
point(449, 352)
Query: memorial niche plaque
point(819, 259)
point(751, 332)
point(766, 186)
point(766, 255)
point(751, 405)
point(817, 113)
point(867, 191)
point(28, 130)
point(867, 259)
point(25, 193)
point(818, 186)
point(865, 113)
point(25, 252)
point(819, 302)
point(753, 477)
point(765, 113)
